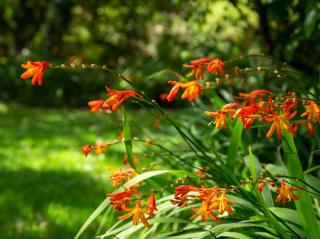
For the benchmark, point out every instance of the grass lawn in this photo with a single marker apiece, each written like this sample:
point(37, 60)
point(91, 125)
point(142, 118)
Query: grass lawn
point(48, 188)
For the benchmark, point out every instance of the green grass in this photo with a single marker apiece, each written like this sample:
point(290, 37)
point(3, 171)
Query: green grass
point(48, 188)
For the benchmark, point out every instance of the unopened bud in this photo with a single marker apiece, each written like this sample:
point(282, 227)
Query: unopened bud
point(218, 81)
point(149, 142)
point(237, 70)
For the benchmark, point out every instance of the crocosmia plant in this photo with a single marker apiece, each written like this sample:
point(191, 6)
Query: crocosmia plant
point(206, 179)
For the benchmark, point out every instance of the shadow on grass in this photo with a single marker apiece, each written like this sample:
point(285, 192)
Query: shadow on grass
point(46, 204)
point(41, 126)
point(47, 188)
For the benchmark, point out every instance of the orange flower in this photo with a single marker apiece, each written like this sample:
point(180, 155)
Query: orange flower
point(285, 192)
point(35, 70)
point(261, 186)
point(222, 203)
point(137, 213)
point(100, 148)
point(251, 97)
point(202, 172)
point(289, 104)
point(184, 190)
point(312, 111)
point(125, 160)
point(163, 96)
point(197, 67)
point(216, 66)
point(204, 211)
point(311, 129)
point(120, 200)
point(280, 122)
point(121, 176)
point(181, 195)
point(151, 206)
point(116, 97)
point(247, 115)
point(121, 135)
point(192, 90)
point(95, 105)
point(219, 119)
point(263, 183)
point(156, 123)
point(86, 149)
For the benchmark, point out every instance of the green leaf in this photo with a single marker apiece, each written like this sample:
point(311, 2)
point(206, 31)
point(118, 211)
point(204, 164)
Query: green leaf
point(266, 235)
point(217, 230)
point(93, 216)
point(291, 216)
point(127, 138)
point(310, 22)
point(312, 169)
point(190, 235)
point(271, 218)
point(150, 174)
point(287, 214)
point(236, 235)
point(304, 204)
point(258, 169)
point(235, 143)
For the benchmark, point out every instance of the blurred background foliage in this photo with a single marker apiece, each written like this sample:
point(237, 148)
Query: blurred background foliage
point(141, 37)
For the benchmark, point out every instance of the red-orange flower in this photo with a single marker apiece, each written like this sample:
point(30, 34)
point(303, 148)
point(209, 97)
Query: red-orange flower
point(247, 115)
point(86, 149)
point(261, 186)
point(219, 119)
point(312, 112)
point(121, 176)
point(184, 190)
point(35, 70)
point(100, 148)
point(251, 97)
point(311, 129)
point(202, 172)
point(285, 192)
point(137, 214)
point(95, 105)
point(181, 195)
point(204, 211)
point(151, 206)
point(263, 183)
point(280, 122)
point(120, 200)
point(192, 90)
point(216, 66)
point(222, 203)
point(116, 97)
point(197, 67)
